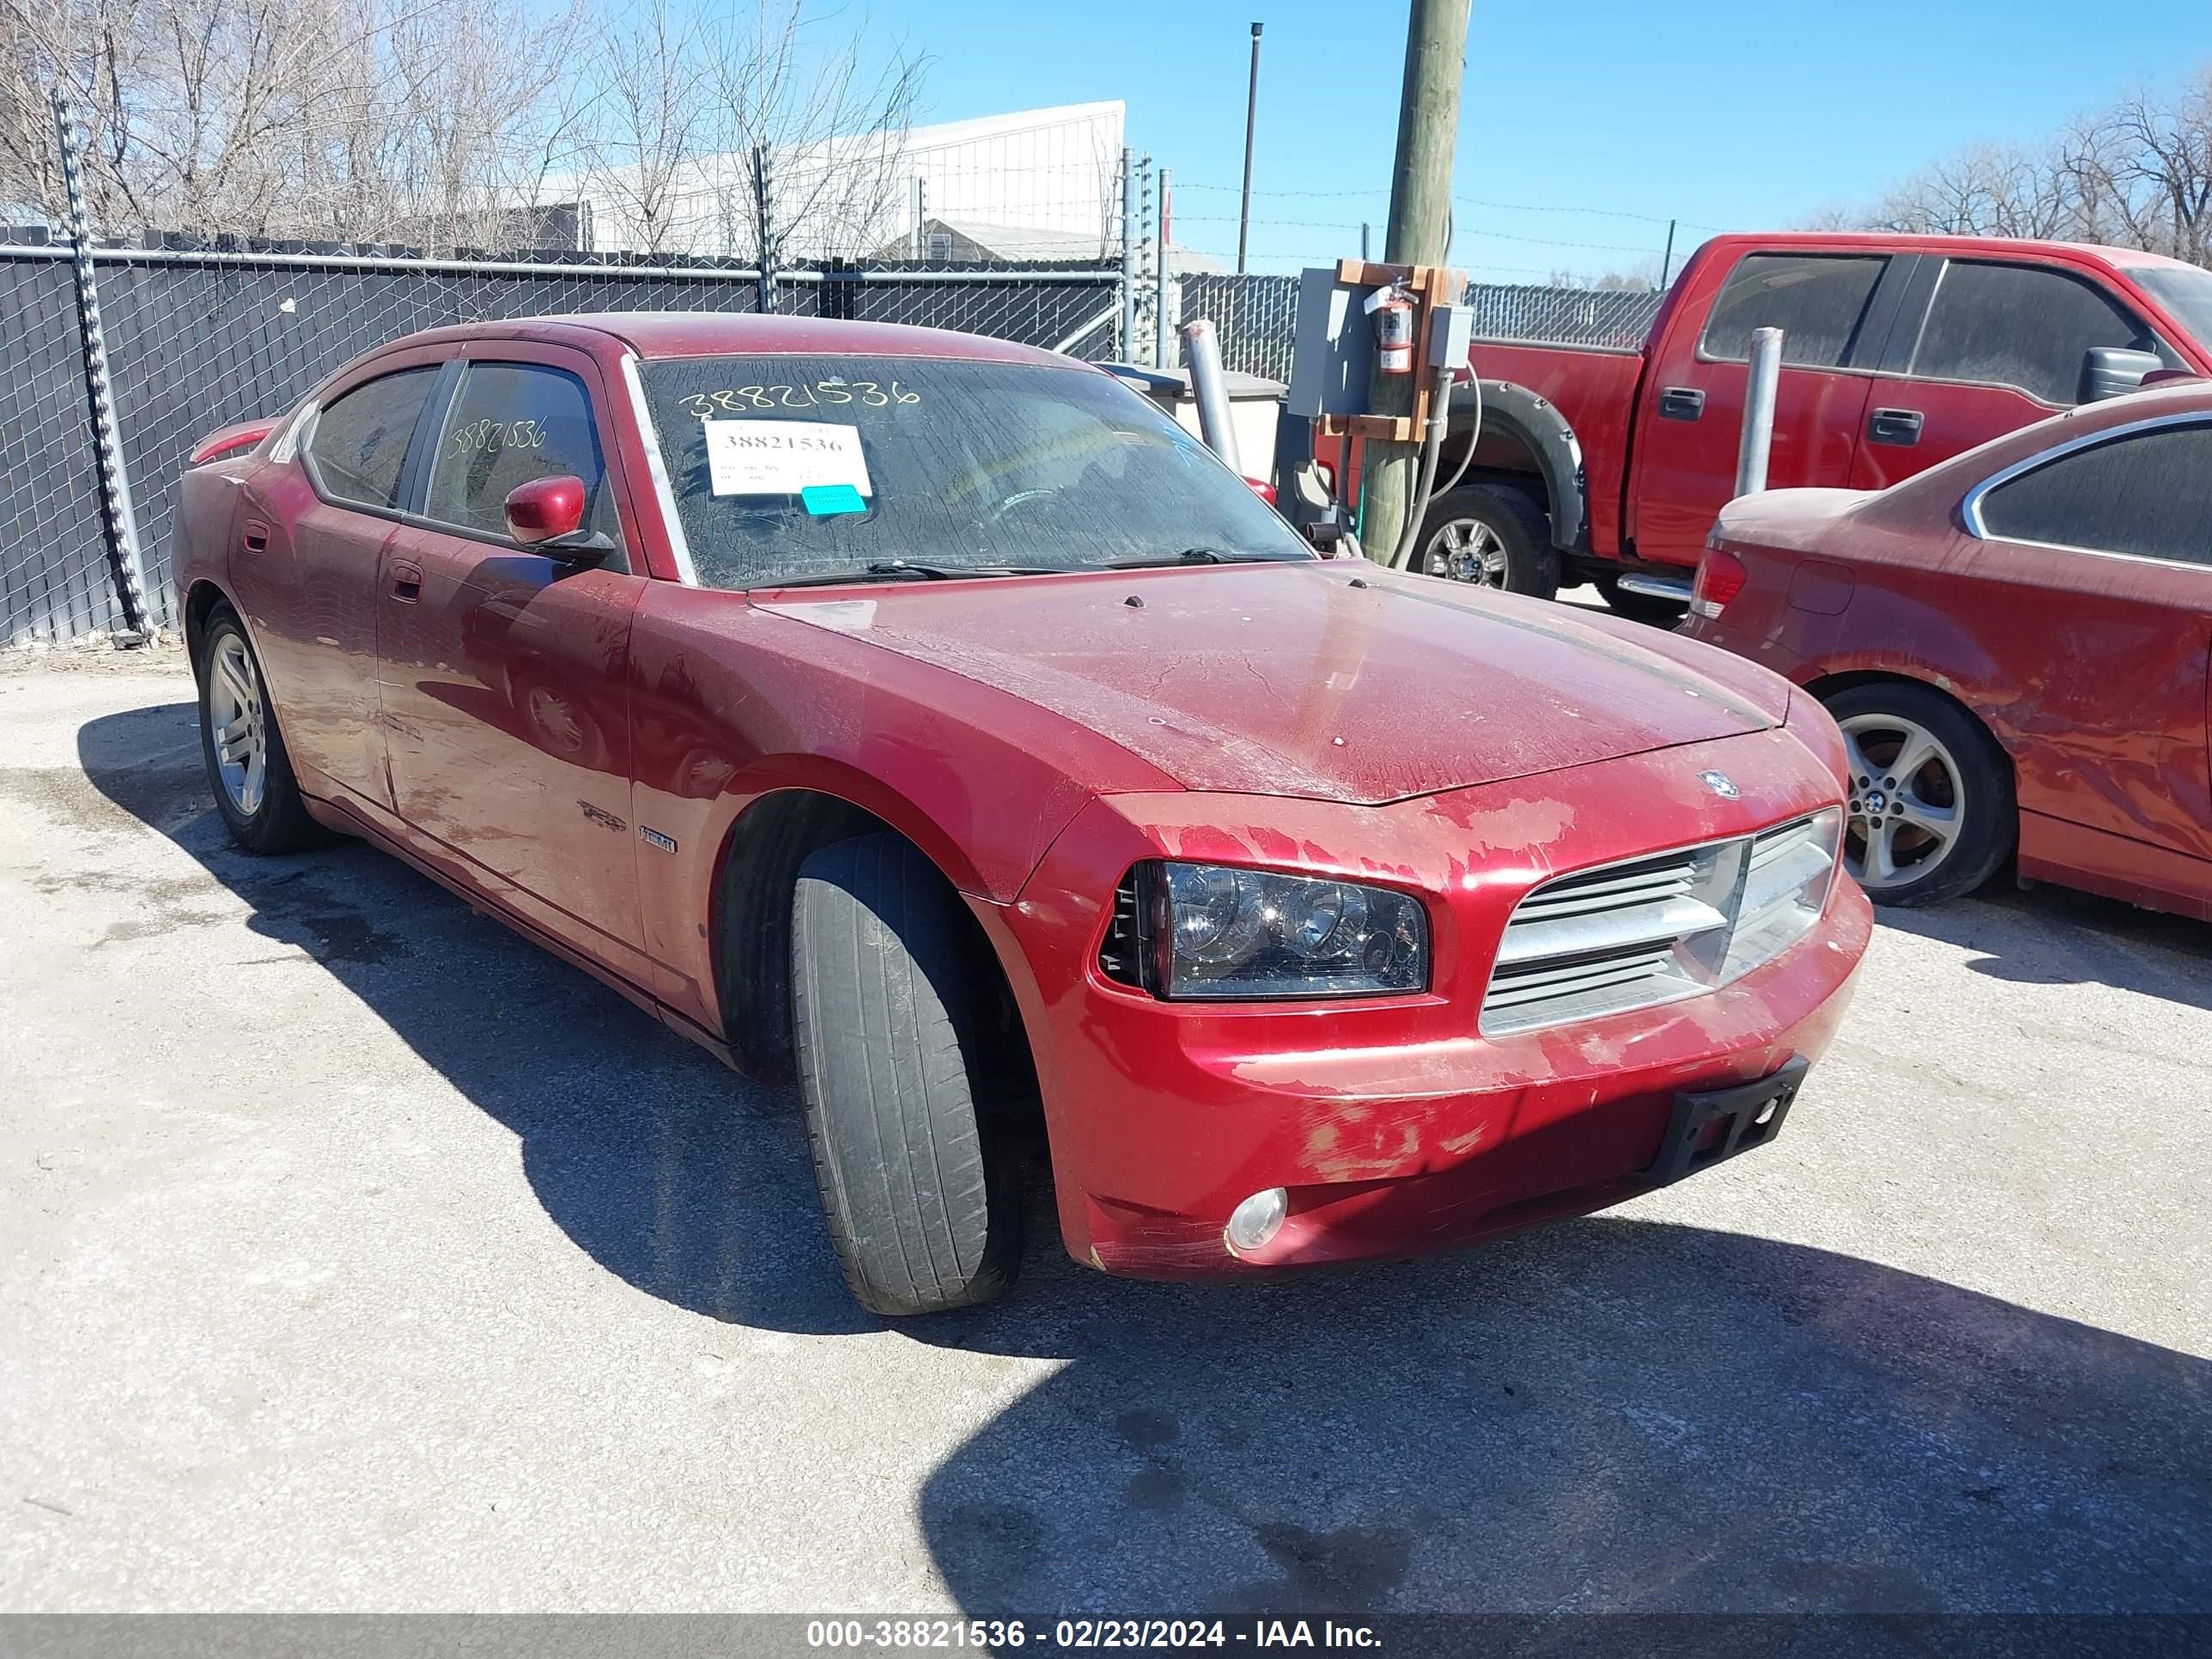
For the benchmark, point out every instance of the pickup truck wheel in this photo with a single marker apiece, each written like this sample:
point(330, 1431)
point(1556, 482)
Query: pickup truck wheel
point(1637, 607)
point(248, 766)
point(924, 1211)
point(1932, 812)
point(1492, 536)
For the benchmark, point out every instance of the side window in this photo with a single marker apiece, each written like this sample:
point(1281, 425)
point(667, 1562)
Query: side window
point(511, 422)
point(2019, 325)
point(359, 446)
point(2148, 494)
point(1818, 301)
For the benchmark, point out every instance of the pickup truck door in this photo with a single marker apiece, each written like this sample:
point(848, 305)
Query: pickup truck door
point(1982, 347)
point(1833, 310)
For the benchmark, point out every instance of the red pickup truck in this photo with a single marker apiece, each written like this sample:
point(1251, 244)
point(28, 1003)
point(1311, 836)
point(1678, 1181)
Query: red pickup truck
point(1609, 466)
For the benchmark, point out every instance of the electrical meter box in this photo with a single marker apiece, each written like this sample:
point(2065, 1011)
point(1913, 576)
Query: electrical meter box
point(1333, 353)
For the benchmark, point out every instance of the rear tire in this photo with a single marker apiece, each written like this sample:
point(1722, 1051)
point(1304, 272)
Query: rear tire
point(248, 768)
point(923, 1206)
point(1917, 758)
point(1489, 536)
point(1637, 607)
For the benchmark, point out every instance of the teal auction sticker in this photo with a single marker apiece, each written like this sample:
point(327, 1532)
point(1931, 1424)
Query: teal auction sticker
point(824, 500)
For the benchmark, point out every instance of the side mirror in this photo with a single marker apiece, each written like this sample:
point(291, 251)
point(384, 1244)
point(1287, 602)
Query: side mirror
point(2114, 371)
point(544, 511)
point(1263, 489)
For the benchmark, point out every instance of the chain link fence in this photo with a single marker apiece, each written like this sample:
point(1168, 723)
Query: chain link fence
point(53, 562)
point(199, 339)
point(1256, 316)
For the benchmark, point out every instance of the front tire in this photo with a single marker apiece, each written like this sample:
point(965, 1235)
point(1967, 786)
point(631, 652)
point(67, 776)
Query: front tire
point(923, 1206)
point(248, 766)
point(1931, 804)
point(1489, 536)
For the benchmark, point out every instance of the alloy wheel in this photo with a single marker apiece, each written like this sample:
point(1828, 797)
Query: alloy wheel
point(1467, 550)
point(238, 724)
point(1908, 801)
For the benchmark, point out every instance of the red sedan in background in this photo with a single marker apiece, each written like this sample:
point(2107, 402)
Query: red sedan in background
point(2015, 644)
point(933, 720)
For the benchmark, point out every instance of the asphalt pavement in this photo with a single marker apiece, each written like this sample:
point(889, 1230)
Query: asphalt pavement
point(356, 1255)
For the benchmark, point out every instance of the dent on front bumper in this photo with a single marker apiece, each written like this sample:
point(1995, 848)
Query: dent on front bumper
point(1395, 1125)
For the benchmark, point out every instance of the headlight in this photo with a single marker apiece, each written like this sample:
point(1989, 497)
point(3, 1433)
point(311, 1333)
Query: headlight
point(1218, 931)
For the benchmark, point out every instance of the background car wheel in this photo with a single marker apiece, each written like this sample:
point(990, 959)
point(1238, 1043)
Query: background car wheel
point(1637, 607)
point(924, 1210)
point(1492, 535)
point(247, 765)
point(1932, 814)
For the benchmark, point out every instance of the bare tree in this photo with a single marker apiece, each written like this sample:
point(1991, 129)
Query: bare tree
point(2138, 173)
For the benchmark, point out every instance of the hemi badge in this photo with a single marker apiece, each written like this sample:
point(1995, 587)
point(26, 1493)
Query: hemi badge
point(665, 843)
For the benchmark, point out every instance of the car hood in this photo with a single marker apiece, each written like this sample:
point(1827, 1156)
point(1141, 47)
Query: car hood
point(1333, 680)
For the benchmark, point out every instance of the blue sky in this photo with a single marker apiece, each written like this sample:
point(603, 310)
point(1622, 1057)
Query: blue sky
point(1722, 114)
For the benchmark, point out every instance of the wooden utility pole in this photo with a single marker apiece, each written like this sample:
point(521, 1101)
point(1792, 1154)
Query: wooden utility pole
point(1419, 234)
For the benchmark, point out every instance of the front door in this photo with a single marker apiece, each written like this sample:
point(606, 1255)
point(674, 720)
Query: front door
point(505, 671)
point(1690, 423)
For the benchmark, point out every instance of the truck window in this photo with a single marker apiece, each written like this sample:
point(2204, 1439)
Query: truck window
point(2019, 325)
point(2147, 494)
point(1819, 301)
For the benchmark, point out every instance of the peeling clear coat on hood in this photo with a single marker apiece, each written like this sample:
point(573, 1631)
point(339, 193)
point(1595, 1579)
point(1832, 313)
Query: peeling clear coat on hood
point(1286, 679)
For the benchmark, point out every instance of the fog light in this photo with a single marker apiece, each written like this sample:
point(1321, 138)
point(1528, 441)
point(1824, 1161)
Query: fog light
point(1257, 1219)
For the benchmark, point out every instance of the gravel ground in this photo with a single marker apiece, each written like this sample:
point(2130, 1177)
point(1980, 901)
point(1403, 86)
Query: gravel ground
point(354, 1255)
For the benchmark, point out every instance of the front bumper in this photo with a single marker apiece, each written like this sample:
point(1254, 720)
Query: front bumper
point(1395, 1128)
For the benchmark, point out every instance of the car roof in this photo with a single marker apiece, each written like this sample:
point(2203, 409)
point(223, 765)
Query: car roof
point(707, 334)
point(1937, 242)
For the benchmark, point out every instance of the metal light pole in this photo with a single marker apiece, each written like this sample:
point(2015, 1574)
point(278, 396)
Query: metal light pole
point(1419, 233)
point(1251, 115)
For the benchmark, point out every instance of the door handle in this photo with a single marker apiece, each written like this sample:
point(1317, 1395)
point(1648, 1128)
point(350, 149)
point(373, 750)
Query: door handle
point(1895, 426)
point(256, 536)
point(406, 581)
point(1680, 403)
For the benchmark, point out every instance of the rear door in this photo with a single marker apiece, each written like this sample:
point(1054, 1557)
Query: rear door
point(1982, 348)
point(310, 555)
point(2093, 579)
point(1832, 308)
point(506, 671)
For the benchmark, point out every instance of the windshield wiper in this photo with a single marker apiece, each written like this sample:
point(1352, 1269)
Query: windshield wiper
point(907, 570)
point(1191, 556)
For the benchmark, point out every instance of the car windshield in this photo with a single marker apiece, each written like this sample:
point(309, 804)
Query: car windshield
point(792, 468)
point(2185, 291)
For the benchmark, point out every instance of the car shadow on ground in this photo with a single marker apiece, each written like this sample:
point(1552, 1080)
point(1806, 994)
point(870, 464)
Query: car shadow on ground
point(2046, 935)
point(1604, 1413)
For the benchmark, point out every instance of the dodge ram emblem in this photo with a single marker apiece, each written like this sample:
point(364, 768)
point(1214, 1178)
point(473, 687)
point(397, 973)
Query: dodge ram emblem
point(1721, 784)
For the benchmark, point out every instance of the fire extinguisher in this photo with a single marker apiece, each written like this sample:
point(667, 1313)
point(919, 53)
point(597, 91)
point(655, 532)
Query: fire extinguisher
point(1391, 310)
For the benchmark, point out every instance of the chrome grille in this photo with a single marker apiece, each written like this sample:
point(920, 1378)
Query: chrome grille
point(1653, 930)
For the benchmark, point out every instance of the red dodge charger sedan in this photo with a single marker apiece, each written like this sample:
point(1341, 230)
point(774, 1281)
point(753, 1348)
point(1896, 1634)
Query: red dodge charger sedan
point(933, 720)
point(2015, 644)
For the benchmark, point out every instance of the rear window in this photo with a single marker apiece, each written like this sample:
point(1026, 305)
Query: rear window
point(1819, 301)
point(2147, 494)
point(359, 444)
point(2019, 325)
point(795, 466)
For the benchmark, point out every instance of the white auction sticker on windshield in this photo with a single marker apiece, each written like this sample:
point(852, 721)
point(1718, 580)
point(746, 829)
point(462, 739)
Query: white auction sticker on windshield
point(782, 457)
